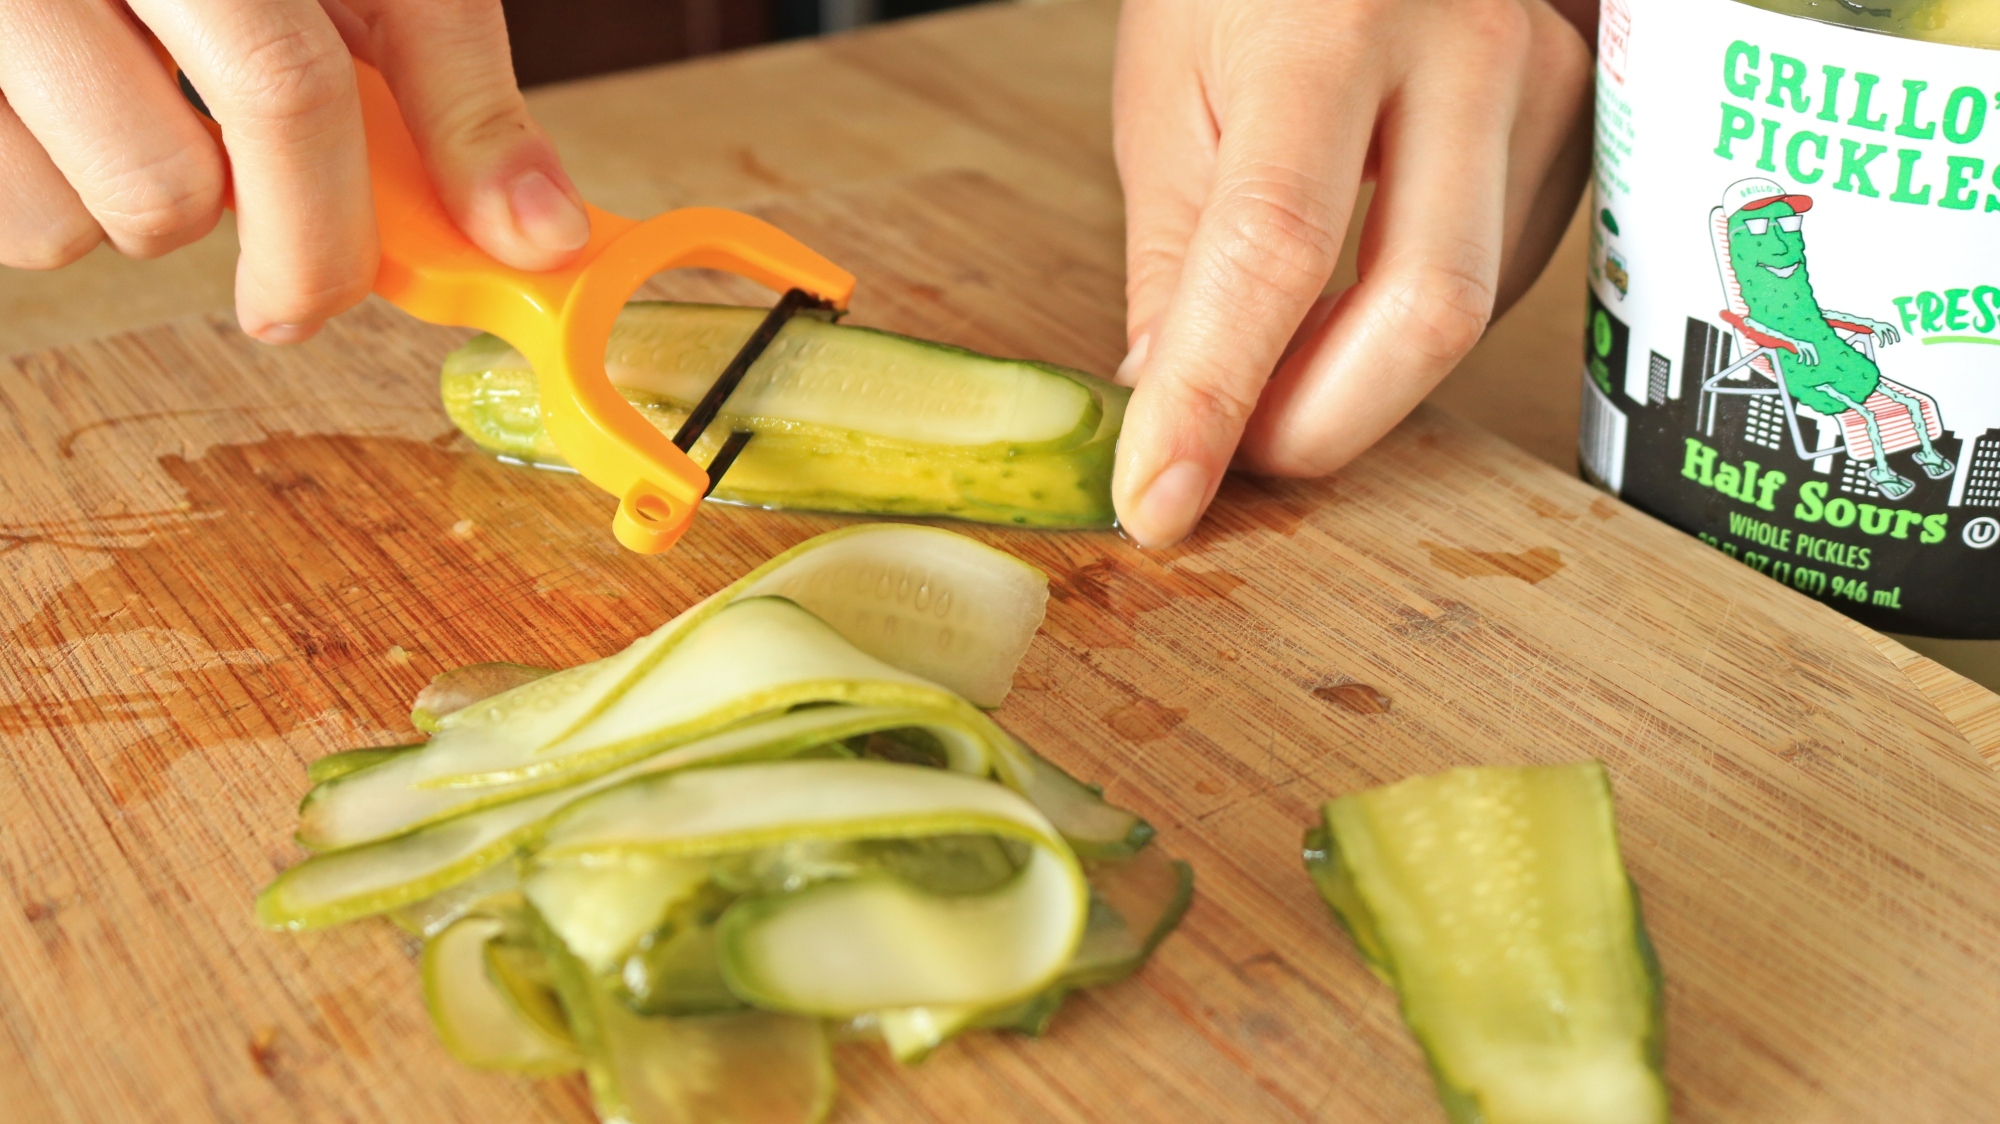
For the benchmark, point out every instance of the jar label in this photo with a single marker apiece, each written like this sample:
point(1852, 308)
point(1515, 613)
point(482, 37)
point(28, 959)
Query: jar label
point(1793, 348)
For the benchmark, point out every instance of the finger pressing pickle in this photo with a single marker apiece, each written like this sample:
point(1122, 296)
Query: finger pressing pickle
point(846, 419)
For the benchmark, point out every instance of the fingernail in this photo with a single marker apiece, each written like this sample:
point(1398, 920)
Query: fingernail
point(285, 333)
point(1167, 511)
point(545, 215)
point(1128, 371)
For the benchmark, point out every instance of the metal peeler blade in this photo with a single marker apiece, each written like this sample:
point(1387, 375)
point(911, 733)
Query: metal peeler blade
point(698, 420)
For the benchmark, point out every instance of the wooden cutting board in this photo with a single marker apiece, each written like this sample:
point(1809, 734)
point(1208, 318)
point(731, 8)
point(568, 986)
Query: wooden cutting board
point(222, 561)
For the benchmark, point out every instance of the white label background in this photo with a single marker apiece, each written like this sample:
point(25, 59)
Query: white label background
point(1862, 253)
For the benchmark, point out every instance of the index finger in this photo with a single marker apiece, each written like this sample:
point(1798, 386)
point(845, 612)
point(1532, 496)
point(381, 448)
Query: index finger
point(1265, 246)
point(279, 81)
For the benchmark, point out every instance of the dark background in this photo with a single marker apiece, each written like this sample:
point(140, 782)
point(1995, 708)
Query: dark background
point(555, 40)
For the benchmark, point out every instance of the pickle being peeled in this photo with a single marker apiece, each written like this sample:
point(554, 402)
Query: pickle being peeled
point(847, 419)
point(1495, 901)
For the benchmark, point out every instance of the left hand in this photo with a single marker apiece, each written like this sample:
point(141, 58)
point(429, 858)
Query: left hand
point(1244, 129)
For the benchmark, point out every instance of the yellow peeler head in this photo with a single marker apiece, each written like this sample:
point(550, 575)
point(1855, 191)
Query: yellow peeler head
point(561, 319)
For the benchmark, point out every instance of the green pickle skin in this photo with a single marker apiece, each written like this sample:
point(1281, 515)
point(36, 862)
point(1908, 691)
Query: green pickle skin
point(1789, 305)
point(1344, 879)
point(490, 393)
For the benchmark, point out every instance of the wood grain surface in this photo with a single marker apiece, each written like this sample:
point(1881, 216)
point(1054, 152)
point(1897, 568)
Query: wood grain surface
point(223, 560)
point(1019, 92)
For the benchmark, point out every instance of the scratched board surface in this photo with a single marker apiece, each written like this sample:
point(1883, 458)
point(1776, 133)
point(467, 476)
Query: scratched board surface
point(222, 561)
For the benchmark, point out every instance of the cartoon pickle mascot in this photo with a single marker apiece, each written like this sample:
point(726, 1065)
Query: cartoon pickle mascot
point(1767, 247)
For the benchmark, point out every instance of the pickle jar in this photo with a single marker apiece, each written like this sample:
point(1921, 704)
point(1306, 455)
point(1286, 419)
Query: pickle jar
point(1793, 342)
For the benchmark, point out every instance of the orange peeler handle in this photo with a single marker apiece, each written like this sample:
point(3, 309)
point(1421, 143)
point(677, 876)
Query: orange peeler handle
point(561, 320)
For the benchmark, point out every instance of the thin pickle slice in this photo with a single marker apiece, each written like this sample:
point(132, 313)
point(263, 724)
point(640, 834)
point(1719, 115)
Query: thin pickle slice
point(600, 905)
point(670, 866)
point(912, 1033)
point(1134, 903)
point(934, 603)
point(479, 1021)
point(333, 766)
point(747, 1067)
point(923, 600)
point(1094, 827)
point(389, 874)
point(677, 968)
point(1495, 901)
point(520, 970)
point(452, 691)
point(843, 947)
point(428, 916)
point(380, 803)
point(755, 657)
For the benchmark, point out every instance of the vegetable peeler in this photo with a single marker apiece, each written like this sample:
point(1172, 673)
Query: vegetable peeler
point(561, 319)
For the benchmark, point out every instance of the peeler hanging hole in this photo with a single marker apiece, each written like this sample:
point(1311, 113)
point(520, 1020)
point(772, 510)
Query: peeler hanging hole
point(611, 441)
point(649, 521)
point(653, 509)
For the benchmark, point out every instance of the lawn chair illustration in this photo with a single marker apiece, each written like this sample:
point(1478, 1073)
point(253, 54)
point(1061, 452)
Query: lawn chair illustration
point(1858, 411)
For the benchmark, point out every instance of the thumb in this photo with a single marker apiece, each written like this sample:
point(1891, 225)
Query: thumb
point(493, 167)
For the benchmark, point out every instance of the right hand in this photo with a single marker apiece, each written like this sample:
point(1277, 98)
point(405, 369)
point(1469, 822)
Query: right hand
point(98, 145)
point(1808, 353)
